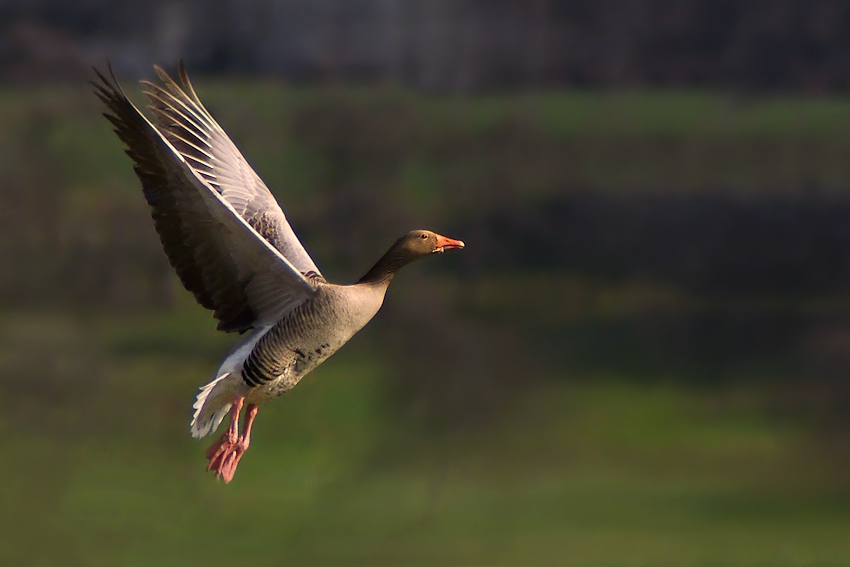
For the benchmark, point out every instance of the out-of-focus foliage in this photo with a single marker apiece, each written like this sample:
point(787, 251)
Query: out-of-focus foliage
point(639, 358)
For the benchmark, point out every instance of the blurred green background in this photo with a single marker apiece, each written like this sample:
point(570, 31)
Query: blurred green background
point(640, 358)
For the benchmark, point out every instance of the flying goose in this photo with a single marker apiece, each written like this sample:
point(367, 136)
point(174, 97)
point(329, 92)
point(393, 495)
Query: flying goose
point(232, 247)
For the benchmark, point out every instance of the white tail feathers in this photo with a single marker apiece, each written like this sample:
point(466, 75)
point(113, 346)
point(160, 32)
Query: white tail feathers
point(215, 398)
point(211, 406)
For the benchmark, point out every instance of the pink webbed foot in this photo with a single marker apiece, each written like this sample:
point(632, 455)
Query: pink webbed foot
point(224, 456)
point(225, 453)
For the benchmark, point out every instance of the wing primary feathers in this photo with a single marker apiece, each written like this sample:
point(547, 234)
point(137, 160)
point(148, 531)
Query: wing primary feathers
point(195, 134)
point(165, 97)
point(219, 257)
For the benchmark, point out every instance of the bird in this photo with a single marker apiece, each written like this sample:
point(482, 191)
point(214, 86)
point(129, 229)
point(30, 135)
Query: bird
point(232, 247)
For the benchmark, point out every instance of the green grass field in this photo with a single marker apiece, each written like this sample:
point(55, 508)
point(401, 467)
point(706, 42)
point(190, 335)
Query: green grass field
point(103, 472)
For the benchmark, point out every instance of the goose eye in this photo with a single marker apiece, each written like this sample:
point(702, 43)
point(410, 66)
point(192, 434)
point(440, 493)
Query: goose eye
point(423, 236)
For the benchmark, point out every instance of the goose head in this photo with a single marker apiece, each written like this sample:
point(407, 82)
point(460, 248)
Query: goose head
point(419, 243)
point(412, 246)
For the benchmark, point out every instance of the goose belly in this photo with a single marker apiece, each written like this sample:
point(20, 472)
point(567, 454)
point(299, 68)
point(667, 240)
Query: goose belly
point(292, 364)
point(296, 345)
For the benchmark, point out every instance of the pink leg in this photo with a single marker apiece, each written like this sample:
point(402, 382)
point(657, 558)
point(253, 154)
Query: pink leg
point(229, 468)
point(224, 454)
point(218, 451)
point(249, 421)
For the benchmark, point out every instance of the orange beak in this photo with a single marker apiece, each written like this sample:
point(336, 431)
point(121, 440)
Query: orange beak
point(445, 243)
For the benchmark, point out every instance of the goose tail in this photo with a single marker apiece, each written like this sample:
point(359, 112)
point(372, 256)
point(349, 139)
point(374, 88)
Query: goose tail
point(211, 406)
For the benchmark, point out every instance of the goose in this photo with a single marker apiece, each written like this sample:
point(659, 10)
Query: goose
point(234, 250)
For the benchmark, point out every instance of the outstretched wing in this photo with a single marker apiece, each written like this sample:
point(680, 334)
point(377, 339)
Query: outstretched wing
point(209, 151)
point(219, 256)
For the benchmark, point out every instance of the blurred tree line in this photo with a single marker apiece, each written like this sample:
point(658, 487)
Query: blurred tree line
point(447, 45)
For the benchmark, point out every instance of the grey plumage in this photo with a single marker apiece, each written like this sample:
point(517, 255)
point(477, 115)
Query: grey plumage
point(232, 247)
